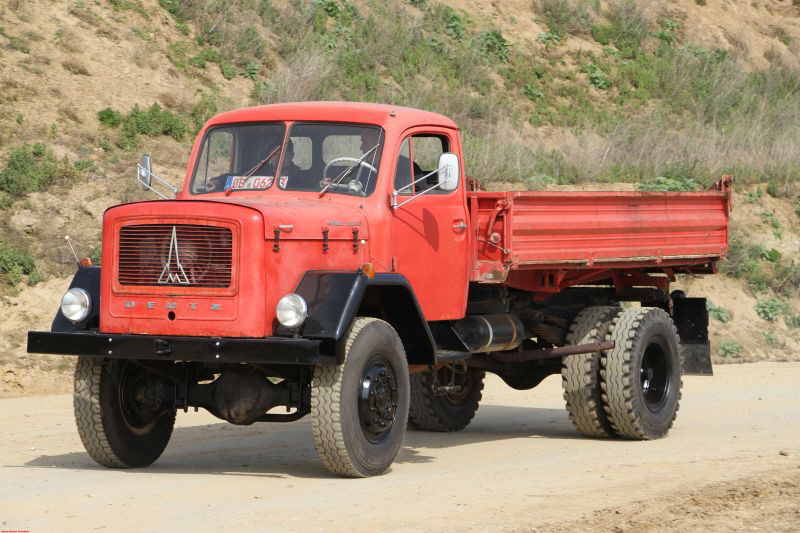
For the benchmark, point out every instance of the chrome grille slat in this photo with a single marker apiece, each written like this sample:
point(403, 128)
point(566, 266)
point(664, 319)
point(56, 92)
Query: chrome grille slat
point(205, 253)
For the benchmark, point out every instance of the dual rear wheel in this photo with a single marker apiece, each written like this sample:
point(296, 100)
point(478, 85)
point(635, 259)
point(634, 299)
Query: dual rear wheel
point(633, 390)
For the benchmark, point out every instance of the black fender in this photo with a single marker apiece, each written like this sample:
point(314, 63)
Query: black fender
point(335, 298)
point(88, 279)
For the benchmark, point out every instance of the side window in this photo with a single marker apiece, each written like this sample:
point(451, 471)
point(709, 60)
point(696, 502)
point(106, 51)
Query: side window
point(215, 160)
point(426, 150)
point(402, 176)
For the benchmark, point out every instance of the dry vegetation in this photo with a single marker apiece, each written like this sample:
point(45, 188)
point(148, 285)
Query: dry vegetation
point(549, 93)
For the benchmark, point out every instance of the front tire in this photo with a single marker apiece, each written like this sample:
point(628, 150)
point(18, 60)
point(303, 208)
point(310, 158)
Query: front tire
point(642, 374)
point(450, 411)
point(359, 409)
point(124, 414)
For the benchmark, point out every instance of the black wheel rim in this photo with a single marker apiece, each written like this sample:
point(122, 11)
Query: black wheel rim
point(654, 374)
point(457, 375)
point(377, 399)
point(142, 398)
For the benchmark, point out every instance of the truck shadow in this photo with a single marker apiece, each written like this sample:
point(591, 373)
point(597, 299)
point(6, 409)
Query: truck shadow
point(287, 450)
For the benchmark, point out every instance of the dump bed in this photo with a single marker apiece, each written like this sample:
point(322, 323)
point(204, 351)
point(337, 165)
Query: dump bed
point(597, 230)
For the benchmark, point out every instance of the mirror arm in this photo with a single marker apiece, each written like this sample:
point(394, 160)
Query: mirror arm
point(140, 170)
point(395, 205)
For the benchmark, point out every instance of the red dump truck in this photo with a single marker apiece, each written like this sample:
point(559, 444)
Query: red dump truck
point(327, 259)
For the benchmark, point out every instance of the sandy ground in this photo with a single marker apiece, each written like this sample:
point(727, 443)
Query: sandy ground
point(731, 463)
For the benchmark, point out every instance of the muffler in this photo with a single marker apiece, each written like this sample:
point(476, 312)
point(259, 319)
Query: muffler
point(490, 333)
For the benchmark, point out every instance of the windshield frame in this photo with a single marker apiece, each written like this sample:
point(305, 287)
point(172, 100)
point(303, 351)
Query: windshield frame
point(288, 126)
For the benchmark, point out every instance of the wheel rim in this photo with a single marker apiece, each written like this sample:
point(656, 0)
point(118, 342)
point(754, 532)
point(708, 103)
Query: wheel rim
point(654, 375)
point(377, 399)
point(460, 376)
point(141, 397)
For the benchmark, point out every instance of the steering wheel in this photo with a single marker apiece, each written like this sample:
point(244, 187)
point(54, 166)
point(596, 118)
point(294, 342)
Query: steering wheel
point(354, 184)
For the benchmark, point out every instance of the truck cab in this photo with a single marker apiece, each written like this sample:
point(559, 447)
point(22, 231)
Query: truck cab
point(325, 258)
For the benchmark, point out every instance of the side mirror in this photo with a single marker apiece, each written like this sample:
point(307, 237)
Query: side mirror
point(145, 172)
point(145, 177)
point(448, 172)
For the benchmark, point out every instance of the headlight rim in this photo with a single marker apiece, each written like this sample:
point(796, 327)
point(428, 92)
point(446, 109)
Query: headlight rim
point(294, 298)
point(86, 310)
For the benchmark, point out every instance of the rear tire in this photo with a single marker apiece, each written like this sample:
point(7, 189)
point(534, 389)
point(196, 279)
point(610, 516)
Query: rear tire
point(580, 373)
point(642, 374)
point(446, 412)
point(124, 414)
point(359, 410)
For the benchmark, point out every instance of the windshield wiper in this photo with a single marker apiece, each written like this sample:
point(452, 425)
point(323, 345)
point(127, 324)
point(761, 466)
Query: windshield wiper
point(253, 170)
point(346, 171)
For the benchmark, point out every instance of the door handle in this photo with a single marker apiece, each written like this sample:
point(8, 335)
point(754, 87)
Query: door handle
point(460, 226)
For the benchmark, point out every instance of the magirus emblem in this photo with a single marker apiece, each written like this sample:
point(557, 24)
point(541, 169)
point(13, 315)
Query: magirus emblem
point(173, 269)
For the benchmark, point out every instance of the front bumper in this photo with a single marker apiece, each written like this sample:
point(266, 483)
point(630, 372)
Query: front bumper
point(270, 350)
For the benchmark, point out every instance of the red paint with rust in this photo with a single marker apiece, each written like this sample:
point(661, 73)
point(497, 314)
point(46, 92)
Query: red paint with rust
point(541, 242)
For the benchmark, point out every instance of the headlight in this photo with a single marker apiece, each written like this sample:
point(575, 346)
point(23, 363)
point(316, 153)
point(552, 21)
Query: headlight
point(76, 304)
point(292, 310)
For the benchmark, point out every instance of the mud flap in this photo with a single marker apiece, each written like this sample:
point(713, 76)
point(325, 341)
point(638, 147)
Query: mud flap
point(696, 358)
point(691, 318)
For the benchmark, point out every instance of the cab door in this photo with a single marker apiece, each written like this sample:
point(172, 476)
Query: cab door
point(429, 232)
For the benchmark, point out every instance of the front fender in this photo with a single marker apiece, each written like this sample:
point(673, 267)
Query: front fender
point(335, 298)
point(88, 279)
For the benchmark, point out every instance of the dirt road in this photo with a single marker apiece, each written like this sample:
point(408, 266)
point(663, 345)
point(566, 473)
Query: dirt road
point(732, 461)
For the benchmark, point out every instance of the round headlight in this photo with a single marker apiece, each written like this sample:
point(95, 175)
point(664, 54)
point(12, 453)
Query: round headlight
point(292, 310)
point(76, 304)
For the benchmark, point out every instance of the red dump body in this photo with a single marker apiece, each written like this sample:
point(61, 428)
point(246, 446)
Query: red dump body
point(545, 241)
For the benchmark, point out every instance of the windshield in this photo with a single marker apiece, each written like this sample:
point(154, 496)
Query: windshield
point(320, 157)
point(336, 158)
point(239, 157)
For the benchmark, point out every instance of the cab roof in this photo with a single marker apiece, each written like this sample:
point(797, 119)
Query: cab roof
point(359, 112)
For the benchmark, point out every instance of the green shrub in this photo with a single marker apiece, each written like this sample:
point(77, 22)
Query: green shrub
point(772, 339)
point(153, 121)
point(772, 255)
point(109, 117)
point(15, 263)
point(729, 349)
point(597, 78)
point(770, 309)
point(628, 28)
point(492, 45)
point(793, 321)
point(32, 168)
point(717, 313)
point(454, 25)
point(96, 254)
point(35, 278)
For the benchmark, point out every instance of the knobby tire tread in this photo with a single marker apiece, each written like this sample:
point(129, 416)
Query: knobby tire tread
point(326, 422)
point(88, 417)
point(619, 375)
point(580, 373)
point(422, 413)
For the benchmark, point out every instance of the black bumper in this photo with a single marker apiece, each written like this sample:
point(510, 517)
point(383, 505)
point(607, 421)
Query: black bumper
point(270, 350)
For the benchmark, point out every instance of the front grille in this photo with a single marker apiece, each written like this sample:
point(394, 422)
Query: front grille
point(187, 255)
